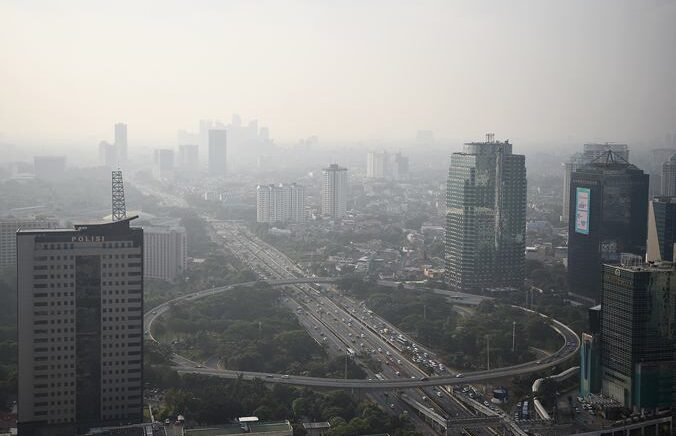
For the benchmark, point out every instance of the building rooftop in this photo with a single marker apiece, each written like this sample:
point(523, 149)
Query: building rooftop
point(254, 428)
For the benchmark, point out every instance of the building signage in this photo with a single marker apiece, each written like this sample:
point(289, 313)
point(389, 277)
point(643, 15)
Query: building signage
point(87, 238)
point(582, 210)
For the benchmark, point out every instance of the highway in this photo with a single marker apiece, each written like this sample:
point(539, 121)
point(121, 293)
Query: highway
point(345, 326)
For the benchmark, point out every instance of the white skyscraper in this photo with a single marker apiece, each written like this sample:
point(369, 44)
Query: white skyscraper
point(165, 252)
point(280, 203)
point(377, 165)
point(121, 141)
point(334, 191)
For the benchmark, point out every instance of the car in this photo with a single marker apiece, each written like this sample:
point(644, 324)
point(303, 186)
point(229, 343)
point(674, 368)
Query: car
point(391, 406)
point(269, 376)
point(285, 376)
point(439, 394)
point(424, 378)
point(538, 362)
point(458, 375)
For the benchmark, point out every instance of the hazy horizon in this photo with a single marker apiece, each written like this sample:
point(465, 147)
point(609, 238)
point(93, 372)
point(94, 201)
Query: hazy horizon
point(348, 71)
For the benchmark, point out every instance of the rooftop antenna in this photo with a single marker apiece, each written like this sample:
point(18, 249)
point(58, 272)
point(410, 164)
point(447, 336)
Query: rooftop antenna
point(119, 207)
point(490, 137)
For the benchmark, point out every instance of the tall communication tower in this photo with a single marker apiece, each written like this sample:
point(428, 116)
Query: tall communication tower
point(119, 207)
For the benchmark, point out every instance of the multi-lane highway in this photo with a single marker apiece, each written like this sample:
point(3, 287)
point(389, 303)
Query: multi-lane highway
point(349, 328)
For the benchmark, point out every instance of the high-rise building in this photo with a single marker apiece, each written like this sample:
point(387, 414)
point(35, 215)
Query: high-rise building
point(334, 191)
point(280, 203)
point(163, 163)
point(121, 141)
point(569, 168)
point(610, 198)
point(669, 177)
point(486, 216)
point(49, 168)
point(108, 155)
point(8, 229)
point(400, 167)
point(661, 229)
point(377, 165)
point(217, 152)
point(590, 355)
point(165, 252)
point(590, 152)
point(638, 334)
point(80, 327)
point(188, 157)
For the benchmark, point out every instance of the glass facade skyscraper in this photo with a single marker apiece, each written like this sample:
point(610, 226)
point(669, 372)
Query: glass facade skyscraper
point(607, 217)
point(486, 217)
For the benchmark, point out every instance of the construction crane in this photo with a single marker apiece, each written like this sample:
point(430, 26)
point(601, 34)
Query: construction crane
point(119, 207)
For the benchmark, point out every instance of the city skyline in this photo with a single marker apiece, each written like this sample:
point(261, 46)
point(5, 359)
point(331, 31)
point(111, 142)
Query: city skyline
point(612, 77)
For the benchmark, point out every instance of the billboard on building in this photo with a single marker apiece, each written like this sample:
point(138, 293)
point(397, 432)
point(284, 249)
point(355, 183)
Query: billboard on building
point(582, 210)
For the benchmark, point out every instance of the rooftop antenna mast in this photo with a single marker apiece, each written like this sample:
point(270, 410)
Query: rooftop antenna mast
point(119, 207)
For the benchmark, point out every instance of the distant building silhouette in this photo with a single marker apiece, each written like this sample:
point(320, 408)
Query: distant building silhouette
point(217, 152)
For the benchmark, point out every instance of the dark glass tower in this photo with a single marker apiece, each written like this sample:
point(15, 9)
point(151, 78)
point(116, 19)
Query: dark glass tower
point(608, 215)
point(638, 334)
point(486, 217)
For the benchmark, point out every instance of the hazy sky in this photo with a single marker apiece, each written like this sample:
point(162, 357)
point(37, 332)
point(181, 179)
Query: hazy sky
point(344, 70)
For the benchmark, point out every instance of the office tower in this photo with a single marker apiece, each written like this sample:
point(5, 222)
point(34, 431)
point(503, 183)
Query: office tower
point(108, 154)
point(669, 177)
point(400, 167)
point(595, 150)
point(121, 141)
point(280, 203)
point(607, 217)
point(661, 229)
point(590, 152)
point(377, 165)
point(8, 229)
point(296, 203)
point(590, 354)
point(486, 216)
point(217, 152)
point(165, 251)
point(163, 163)
point(638, 338)
point(569, 168)
point(334, 191)
point(49, 168)
point(80, 327)
point(188, 157)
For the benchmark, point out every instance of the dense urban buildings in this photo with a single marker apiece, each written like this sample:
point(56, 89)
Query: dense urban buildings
point(382, 165)
point(280, 203)
point(49, 168)
point(165, 251)
point(661, 229)
point(638, 336)
point(486, 217)
point(121, 141)
point(80, 327)
point(8, 229)
point(334, 191)
point(217, 152)
point(669, 177)
point(607, 217)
